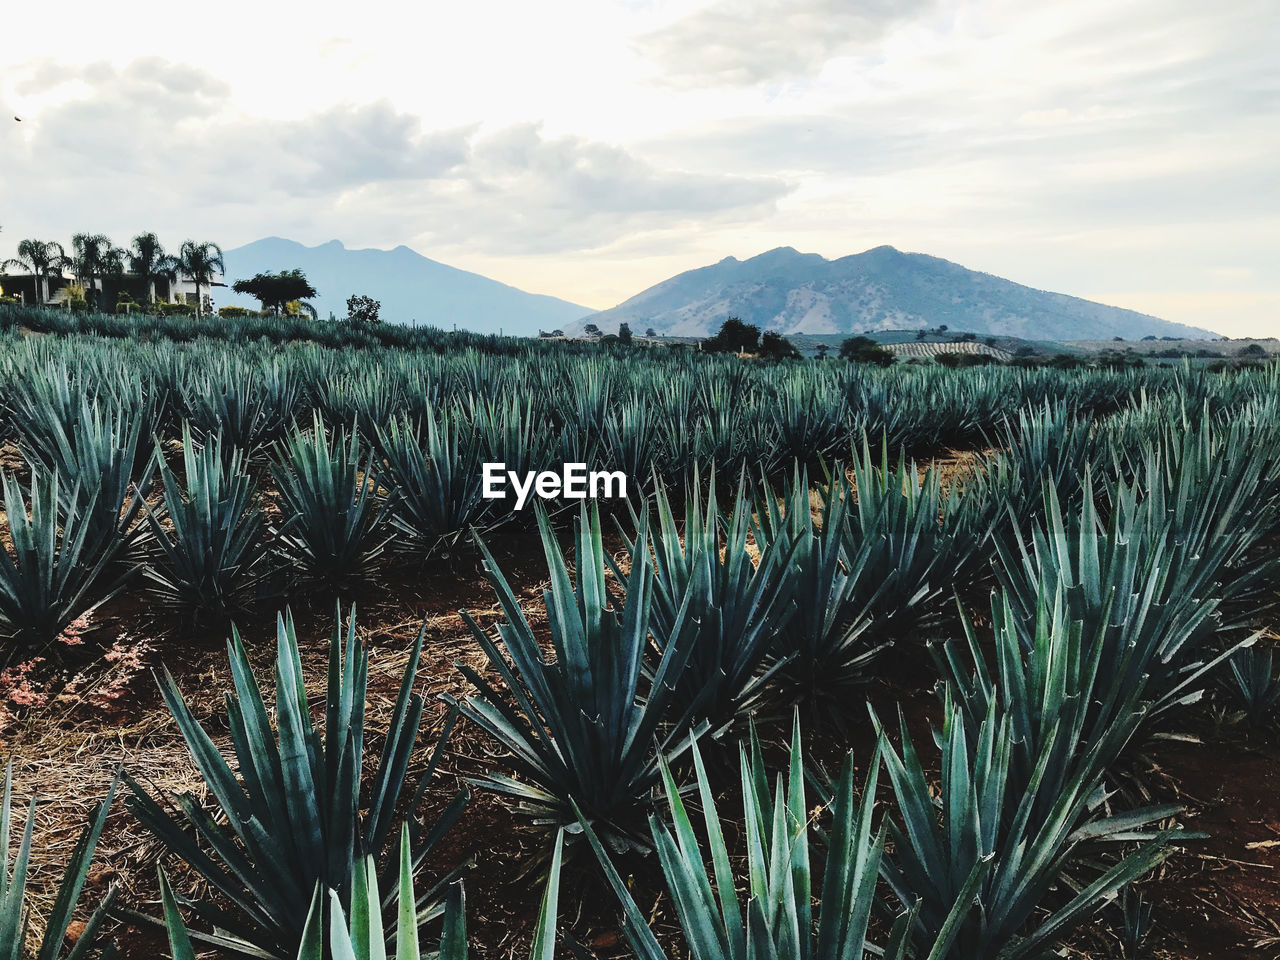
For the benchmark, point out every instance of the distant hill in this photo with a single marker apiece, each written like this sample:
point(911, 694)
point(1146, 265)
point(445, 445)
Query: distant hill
point(881, 289)
point(409, 285)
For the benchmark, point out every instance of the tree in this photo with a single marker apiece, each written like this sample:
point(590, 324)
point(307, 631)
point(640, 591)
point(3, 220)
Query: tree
point(148, 261)
point(734, 337)
point(651, 332)
point(624, 334)
point(199, 262)
point(275, 291)
point(42, 259)
point(95, 258)
point(1252, 350)
point(363, 309)
point(865, 350)
point(591, 330)
point(823, 349)
point(774, 346)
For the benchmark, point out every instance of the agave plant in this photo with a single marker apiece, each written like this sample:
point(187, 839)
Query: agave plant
point(330, 532)
point(1050, 445)
point(1135, 915)
point(825, 645)
point(511, 431)
point(809, 417)
point(777, 921)
point(294, 819)
point(917, 539)
point(704, 581)
point(359, 935)
point(628, 442)
point(55, 568)
point(984, 820)
point(210, 557)
point(14, 913)
point(1256, 685)
point(107, 475)
point(1053, 692)
point(588, 728)
point(1213, 494)
point(1145, 598)
point(247, 408)
point(434, 479)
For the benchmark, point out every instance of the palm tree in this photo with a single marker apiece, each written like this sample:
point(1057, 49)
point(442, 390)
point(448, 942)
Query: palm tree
point(42, 259)
point(148, 260)
point(95, 257)
point(199, 262)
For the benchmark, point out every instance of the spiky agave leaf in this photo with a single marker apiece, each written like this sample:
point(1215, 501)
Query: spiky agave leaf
point(824, 644)
point(434, 479)
point(294, 818)
point(330, 533)
point(210, 556)
point(358, 933)
point(14, 871)
point(986, 813)
point(588, 728)
point(55, 567)
point(776, 920)
point(704, 581)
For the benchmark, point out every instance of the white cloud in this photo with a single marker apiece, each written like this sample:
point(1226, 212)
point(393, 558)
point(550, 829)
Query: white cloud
point(729, 42)
point(588, 148)
point(158, 145)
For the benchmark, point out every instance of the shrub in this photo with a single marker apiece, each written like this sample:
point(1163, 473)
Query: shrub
point(866, 350)
point(774, 346)
point(363, 309)
point(233, 311)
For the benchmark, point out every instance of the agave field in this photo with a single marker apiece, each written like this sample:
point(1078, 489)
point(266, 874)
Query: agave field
point(905, 663)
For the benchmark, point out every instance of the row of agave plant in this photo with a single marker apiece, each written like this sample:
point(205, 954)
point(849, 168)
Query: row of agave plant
point(691, 406)
point(107, 499)
point(1129, 555)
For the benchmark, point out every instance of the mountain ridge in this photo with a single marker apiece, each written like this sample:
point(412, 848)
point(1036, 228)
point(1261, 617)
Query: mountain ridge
point(411, 287)
point(880, 289)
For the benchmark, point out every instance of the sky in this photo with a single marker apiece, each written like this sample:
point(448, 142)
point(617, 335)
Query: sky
point(1127, 151)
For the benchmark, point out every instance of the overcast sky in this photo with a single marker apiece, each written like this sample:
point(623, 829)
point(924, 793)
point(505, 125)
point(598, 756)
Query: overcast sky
point(1127, 151)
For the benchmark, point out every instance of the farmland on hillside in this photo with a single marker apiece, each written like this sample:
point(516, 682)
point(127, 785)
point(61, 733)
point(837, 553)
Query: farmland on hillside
point(906, 662)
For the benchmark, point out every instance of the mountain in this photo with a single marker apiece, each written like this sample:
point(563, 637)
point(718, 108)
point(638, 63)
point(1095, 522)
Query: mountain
point(881, 289)
point(410, 286)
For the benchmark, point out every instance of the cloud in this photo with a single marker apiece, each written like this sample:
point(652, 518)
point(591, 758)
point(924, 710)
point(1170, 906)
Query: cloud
point(155, 144)
point(521, 192)
point(743, 42)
